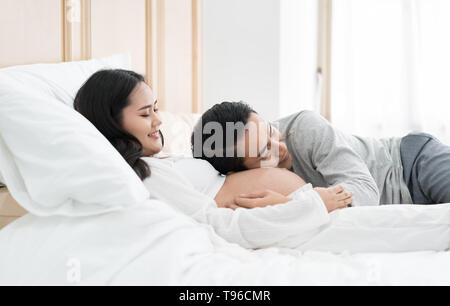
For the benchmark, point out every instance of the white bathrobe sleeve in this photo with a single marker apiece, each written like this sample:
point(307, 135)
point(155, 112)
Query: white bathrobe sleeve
point(283, 225)
point(286, 225)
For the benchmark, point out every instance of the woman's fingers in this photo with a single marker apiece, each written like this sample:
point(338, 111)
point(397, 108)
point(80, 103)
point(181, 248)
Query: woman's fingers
point(232, 206)
point(254, 195)
point(247, 203)
point(229, 205)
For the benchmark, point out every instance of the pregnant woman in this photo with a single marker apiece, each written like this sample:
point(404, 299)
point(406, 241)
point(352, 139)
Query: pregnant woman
point(122, 107)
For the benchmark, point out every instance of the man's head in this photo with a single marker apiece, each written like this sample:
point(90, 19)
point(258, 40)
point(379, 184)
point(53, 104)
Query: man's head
point(232, 137)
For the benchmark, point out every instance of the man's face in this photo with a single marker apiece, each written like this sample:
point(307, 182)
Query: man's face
point(264, 146)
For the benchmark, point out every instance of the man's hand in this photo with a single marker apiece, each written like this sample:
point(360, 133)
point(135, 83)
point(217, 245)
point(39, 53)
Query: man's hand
point(260, 199)
point(335, 197)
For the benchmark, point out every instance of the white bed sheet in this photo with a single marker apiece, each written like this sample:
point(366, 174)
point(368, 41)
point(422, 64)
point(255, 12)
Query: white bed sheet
point(151, 244)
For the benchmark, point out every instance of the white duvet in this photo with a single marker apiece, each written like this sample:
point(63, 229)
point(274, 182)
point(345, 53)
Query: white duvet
point(304, 222)
point(153, 244)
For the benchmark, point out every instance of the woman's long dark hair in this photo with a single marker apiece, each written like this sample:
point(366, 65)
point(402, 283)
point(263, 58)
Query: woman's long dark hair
point(102, 100)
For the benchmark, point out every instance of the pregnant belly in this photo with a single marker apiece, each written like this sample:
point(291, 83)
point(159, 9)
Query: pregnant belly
point(276, 179)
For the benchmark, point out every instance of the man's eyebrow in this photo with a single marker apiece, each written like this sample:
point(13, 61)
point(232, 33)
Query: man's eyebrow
point(148, 106)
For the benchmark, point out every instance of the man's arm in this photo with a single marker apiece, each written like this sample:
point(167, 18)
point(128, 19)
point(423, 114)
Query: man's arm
point(334, 158)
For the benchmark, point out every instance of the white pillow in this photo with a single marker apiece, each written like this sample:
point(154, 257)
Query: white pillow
point(63, 80)
point(177, 129)
point(54, 161)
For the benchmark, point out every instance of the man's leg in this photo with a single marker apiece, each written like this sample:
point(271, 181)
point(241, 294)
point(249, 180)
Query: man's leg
point(430, 175)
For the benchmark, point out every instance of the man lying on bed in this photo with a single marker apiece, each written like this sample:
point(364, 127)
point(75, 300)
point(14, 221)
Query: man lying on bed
point(398, 170)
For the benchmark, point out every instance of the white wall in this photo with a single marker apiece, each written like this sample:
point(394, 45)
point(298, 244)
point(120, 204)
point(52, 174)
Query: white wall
point(178, 56)
point(298, 56)
point(263, 52)
point(241, 53)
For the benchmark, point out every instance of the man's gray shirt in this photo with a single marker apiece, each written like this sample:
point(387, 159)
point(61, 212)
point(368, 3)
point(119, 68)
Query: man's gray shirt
point(324, 156)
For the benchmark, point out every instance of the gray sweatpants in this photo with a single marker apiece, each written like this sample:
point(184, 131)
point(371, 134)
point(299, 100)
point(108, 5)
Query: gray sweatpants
point(426, 168)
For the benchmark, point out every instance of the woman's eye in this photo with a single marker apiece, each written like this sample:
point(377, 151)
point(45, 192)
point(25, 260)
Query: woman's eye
point(156, 110)
point(145, 115)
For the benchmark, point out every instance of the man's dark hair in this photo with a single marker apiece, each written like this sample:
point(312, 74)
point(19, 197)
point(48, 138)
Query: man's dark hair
point(233, 112)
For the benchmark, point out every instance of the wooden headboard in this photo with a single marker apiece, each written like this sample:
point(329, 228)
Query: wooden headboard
point(162, 36)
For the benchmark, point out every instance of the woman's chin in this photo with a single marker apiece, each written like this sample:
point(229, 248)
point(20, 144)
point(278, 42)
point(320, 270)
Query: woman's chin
point(150, 151)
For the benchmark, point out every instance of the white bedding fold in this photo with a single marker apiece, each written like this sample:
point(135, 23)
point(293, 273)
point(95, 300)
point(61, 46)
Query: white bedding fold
point(155, 245)
point(304, 223)
point(389, 228)
point(286, 225)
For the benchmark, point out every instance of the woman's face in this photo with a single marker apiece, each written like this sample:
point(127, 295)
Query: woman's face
point(140, 118)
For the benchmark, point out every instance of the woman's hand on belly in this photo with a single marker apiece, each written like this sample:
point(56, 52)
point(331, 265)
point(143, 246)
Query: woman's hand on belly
point(260, 199)
point(229, 204)
point(281, 182)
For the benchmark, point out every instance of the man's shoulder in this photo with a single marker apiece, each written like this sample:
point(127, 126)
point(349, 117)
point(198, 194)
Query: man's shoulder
point(306, 119)
point(304, 114)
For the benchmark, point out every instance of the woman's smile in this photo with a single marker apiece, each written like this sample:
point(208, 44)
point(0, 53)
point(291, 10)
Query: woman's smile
point(154, 135)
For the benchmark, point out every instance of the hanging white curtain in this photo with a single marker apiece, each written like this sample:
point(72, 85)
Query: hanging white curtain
point(391, 67)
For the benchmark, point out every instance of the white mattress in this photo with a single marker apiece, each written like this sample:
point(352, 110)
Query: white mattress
point(154, 245)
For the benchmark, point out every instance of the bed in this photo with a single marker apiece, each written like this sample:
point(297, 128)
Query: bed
point(71, 220)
